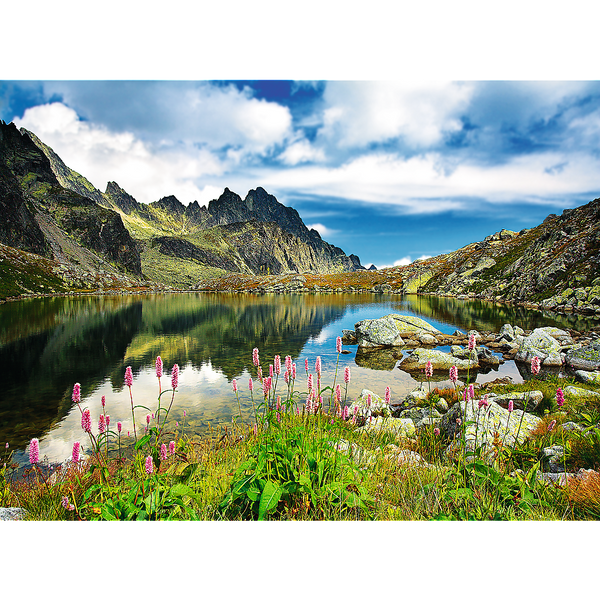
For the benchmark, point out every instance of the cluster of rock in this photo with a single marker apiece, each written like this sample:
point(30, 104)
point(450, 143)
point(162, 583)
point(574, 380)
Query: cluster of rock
point(580, 299)
point(553, 346)
point(466, 426)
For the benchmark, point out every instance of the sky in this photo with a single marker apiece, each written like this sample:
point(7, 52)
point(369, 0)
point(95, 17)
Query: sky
point(391, 171)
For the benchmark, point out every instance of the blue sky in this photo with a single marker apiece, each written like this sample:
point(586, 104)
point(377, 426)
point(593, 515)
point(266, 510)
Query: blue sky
point(389, 170)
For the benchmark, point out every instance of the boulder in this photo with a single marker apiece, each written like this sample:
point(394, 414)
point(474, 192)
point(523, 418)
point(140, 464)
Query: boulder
point(372, 333)
point(407, 458)
point(416, 414)
point(588, 376)
point(586, 358)
point(571, 390)
point(409, 325)
point(539, 343)
point(519, 399)
point(507, 333)
point(553, 459)
point(482, 423)
point(349, 337)
point(439, 361)
point(427, 339)
point(377, 408)
point(399, 428)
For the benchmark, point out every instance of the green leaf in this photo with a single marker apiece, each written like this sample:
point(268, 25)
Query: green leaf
point(142, 442)
point(179, 489)
point(268, 499)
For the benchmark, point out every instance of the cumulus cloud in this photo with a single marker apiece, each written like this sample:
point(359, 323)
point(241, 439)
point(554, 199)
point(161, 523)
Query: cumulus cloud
point(301, 151)
point(101, 156)
point(324, 231)
point(357, 114)
point(402, 262)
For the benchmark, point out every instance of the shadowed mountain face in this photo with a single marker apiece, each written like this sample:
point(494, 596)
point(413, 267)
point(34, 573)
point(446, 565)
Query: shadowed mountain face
point(53, 211)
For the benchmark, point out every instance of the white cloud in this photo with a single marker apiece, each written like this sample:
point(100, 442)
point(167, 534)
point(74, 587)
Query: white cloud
point(101, 156)
point(357, 113)
point(301, 151)
point(405, 260)
point(324, 231)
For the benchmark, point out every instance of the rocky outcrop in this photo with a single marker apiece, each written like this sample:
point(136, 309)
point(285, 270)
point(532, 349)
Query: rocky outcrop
point(41, 216)
point(440, 361)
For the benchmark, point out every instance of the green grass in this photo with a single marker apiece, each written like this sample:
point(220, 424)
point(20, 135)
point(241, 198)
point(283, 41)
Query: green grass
point(288, 465)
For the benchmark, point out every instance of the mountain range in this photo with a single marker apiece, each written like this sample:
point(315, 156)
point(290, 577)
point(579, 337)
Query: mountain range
point(59, 233)
point(109, 239)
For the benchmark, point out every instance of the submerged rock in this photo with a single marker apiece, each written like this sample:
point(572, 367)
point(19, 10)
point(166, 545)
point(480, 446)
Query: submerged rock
point(379, 359)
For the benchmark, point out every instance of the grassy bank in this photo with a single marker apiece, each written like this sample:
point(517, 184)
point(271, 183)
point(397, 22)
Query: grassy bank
point(305, 457)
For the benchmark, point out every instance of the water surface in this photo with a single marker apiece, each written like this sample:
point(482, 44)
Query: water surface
point(48, 344)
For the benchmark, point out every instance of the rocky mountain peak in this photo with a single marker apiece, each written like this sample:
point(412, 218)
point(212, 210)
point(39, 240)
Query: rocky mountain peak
point(120, 198)
point(171, 204)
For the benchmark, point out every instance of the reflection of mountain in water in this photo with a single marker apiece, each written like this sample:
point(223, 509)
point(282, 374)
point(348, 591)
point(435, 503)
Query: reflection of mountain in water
point(223, 329)
point(39, 369)
point(88, 339)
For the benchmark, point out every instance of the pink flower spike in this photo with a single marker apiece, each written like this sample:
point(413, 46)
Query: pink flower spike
point(76, 393)
point(278, 364)
point(101, 424)
point(159, 367)
point(388, 395)
point(346, 374)
point(75, 455)
point(471, 391)
point(163, 452)
point(294, 371)
point(429, 369)
point(107, 421)
point(472, 342)
point(148, 419)
point(119, 426)
point(338, 344)
point(103, 401)
point(436, 431)
point(86, 421)
point(250, 384)
point(149, 465)
point(318, 367)
point(128, 377)
point(306, 364)
point(234, 384)
point(338, 393)
point(255, 359)
point(453, 374)
point(560, 397)
point(271, 371)
point(552, 425)
point(535, 365)
point(34, 451)
point(171, 447)
point(310, 382)
point(288, 363)
point(184, 414)
point(175, 376)
point(511, 406)
point(286, 377)
point(368, 400)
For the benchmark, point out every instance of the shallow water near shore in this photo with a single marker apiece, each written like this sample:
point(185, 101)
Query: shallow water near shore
point(48, 344)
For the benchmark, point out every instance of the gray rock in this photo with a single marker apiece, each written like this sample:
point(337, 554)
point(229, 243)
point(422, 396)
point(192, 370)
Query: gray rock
point(539, 343)
point(12, 514)
point(588, 376)
point(439, 360)
point(416, 395)
point(442, 405)
point(377, 408)
point(378, 332)
point(519, 399)
point(586, 358)
point(553, 459)
point(427, 339)
point(554, 359)
point(416, 414)
point(399, 428)
point(506, 332)
point(349, 337)
point(571, 426)
point(571, 390)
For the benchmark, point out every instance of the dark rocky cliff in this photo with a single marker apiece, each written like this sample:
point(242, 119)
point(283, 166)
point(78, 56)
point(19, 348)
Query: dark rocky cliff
point(43, 217)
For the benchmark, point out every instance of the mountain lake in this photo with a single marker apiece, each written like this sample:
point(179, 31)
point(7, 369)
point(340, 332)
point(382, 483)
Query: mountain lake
point(48, 344)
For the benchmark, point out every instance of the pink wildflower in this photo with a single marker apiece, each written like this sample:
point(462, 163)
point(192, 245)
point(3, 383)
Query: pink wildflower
point(163, 452)
point(368, 400)
point(76, 393)
point(175, 376)
point(159, 367)
point(511, 406)
point(34, 451)
point(552, 425)
point(472, 342)
point(436, 431)
point(338, 344)
point(459, 421)
point(128, 377)
point(255, 359)
point(278, 404)
point(101, 423)
point(429, 369)
point(184, 414)
point(119, 426)
point(308, 403)
point(149, 465)
point(66, 504)
point(234, 384)
point(286, 377)
point(107, 421)
point(346, 374)
point(306, 364)
point(318, 367)
point(278, 417)
point(338, 393)
point(388, 395)
point(278, 364)
point(271, 371)
point(535, 365)
point(453, 374)
point(75, 455)
point(147, 419)
point(288, 363)
point(86, 421)
point(171, 447)
point(250, 384)
point(471, 391)
point(310, 382)
point(103, 401)
point(560, 397)
point(294, 371)
point(345, 413)
point(483, 401)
